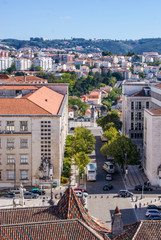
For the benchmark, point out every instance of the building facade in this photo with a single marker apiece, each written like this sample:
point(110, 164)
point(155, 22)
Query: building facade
point(33, 130)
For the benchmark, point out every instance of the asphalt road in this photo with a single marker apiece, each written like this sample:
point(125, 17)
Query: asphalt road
point(102, 204)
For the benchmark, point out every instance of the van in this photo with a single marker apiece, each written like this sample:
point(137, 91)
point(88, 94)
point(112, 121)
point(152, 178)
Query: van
point(109, 167)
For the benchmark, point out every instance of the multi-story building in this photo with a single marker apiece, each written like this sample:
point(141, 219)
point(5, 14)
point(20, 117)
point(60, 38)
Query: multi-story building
point(44, 62)
point(22, 64)
point(33, 129)
point(152, 137)
point(5, 62)
point(136, 97)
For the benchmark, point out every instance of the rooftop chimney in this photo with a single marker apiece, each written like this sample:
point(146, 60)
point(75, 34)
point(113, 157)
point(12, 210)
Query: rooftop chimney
point(117, 224)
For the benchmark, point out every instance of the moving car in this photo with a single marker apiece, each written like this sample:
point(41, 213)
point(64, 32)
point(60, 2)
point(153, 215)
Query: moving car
point(29, 195)
point(108, 177)
point(145, 188)
point(38, 191)
point(107, 187)
point(152, 212)
point(154, 207)
point(125, 193)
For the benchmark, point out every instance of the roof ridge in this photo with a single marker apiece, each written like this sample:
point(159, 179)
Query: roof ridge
point(137, 230)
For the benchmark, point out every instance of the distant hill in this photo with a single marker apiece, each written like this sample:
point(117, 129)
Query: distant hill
point(88, 46)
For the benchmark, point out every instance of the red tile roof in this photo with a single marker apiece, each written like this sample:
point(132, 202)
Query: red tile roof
point(156, 111)
point(47, 99)
point(44, 101)
point(137, 94)
point(58, 230)
point(18, 87)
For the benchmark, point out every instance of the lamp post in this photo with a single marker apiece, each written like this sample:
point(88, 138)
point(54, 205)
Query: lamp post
point(51, 177)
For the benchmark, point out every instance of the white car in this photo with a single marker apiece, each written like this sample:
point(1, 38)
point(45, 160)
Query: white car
point(152, 211)
point(81, 194)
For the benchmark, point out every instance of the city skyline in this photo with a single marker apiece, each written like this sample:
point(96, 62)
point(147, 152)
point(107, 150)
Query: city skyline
point(86, 19)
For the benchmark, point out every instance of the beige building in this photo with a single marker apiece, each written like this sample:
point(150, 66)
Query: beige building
point(135, 98)
point(33, 129)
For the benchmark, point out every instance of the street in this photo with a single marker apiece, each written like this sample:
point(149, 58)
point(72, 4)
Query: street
point(102, 204)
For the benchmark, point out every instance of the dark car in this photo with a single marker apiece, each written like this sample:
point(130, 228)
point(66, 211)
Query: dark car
point(29, 195)
point(125, 193)
point(10, 195)
point(72, 128)
point(145, 188)
point(155, 217)
point(107, 187)
point(38, 191)
point(154, 207)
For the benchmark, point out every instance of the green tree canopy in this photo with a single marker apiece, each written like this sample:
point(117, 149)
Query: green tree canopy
point(111, 119)
point(123, 150)
point(117, 75)
point(81, 160)
point(82, 107)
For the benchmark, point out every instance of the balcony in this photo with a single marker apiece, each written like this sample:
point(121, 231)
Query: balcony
point(6, 132)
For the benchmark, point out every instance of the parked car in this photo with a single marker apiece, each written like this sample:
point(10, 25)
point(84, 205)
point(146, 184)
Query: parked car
point(107, 187)
point(29, 195)
point(154, 207)
point(38, 191)
point(81, 194)
point(152, 212)
point(125, 193)
point(4, 192)
point(108, 177)
point(146, 188)
point(72, 128)
point(10, 195)
point(17, 190)
point(155, 217)
point(80, 189)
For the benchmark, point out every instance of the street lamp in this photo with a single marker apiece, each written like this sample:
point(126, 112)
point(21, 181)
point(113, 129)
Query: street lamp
point(51, 177)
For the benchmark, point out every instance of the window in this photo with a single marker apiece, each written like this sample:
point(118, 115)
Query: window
point(0, 175)
point(0, 143)
point(10, 159)
point(132, 116)
point(132, 126)
point(10, 175)
point(10, 126)
point(23, 159)
point(147, 105)
point(23, 143)
point(23, 174)
point(139, 126)
point(23, 126)
point(132, 105)
point(10, 143)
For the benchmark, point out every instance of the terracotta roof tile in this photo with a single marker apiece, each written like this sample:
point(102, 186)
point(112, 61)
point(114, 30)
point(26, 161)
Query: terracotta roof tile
point(18, 87)
point(156, 111)
point(137, 94)
point(47, 99)
point(20, 106)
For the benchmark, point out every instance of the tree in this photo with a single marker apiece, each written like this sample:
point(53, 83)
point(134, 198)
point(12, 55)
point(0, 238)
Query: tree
point(111, 119)
point(123, 150)
point(82, 107)
point(38, 68)
point(19, 74)
point(111, 133)
point(118, 76)
point(11, 69)
point(106, 53)
point(81, 160)
point(78, 146)
point(112, 81)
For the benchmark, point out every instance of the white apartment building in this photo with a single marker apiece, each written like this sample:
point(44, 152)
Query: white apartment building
point(33, 129)
point(5, 62)
point(44, 62)
point(152, 138)
point(22, 64)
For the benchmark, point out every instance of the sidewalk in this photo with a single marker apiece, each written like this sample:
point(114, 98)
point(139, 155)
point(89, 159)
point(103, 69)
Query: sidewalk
point(134, 177)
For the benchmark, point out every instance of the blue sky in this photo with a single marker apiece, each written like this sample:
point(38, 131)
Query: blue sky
point(59, 19)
